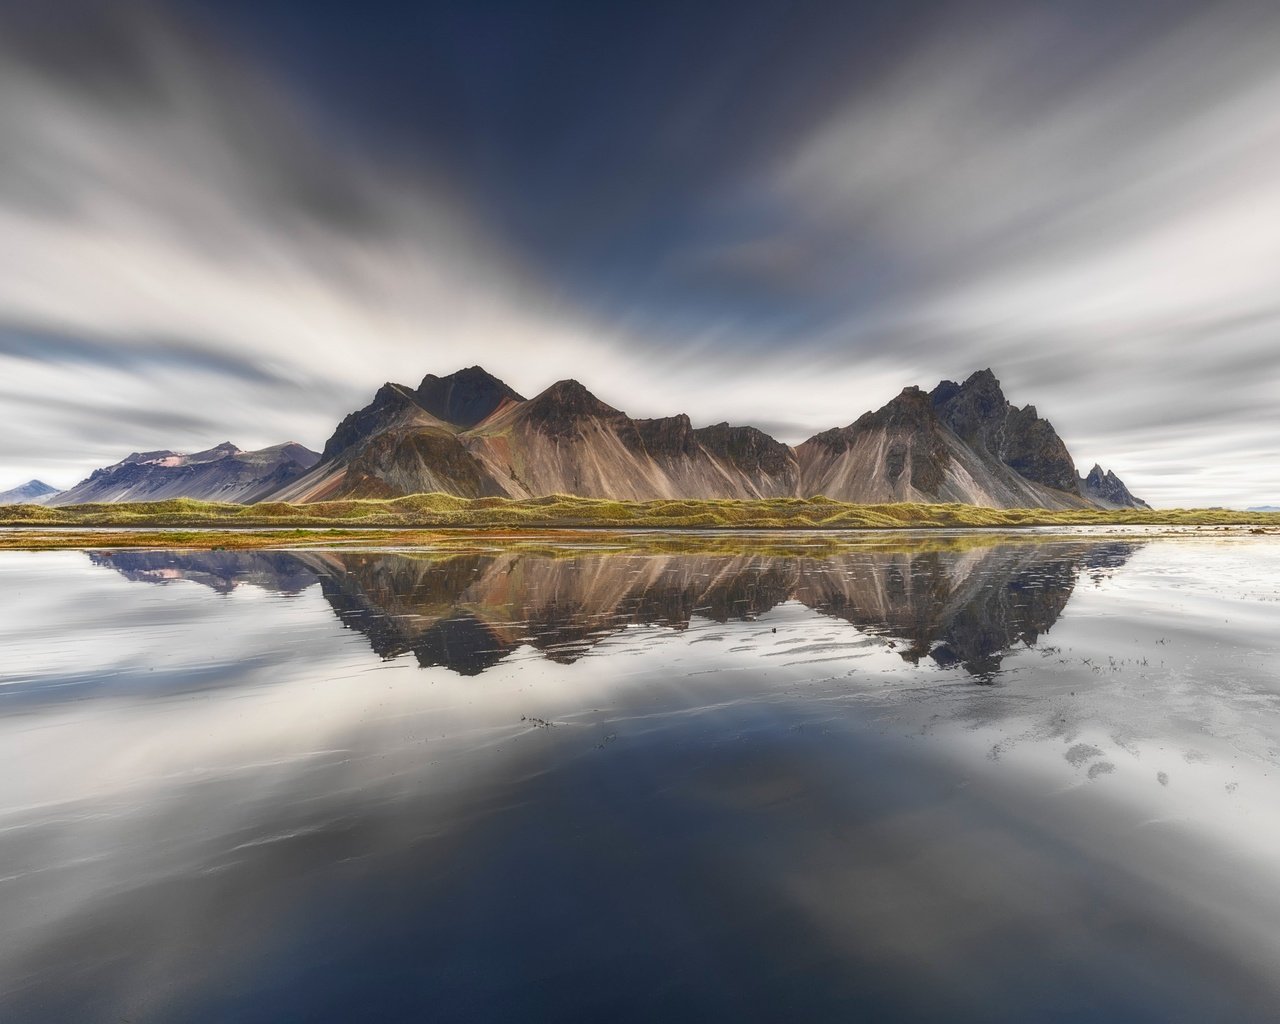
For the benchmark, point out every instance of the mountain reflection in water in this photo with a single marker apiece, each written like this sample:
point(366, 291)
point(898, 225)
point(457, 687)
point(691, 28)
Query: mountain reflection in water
point(467, 612)
point(958, 776)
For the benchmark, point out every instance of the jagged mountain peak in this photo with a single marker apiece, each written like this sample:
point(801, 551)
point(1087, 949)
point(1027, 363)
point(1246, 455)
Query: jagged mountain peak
point(966, 407)
point(980, 382)
point(984, 379)
point(1099, 477)
point(980, 415)
point(910, 408)
point(911, 403)
point(1104, 488)
point(389, 402)
point(464, 397)
point(567, 388)
point(570, 398)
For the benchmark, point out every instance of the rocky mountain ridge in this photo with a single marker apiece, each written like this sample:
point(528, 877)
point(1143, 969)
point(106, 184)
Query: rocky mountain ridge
point(962, 442)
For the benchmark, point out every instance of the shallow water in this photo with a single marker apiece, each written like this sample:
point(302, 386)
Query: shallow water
point(949, 778)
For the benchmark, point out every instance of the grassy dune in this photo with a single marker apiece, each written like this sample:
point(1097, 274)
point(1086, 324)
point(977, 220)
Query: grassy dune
point(435, 511)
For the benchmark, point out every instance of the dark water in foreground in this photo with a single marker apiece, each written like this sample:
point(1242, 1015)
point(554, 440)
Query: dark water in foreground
point(970, 780)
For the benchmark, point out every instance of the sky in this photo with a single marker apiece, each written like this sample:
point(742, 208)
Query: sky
point(234, 219)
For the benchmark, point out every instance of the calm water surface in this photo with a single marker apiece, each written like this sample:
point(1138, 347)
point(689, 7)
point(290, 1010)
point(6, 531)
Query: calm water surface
point(958, 778)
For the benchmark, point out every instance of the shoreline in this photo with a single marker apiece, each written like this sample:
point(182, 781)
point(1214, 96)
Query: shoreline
point(795, 540)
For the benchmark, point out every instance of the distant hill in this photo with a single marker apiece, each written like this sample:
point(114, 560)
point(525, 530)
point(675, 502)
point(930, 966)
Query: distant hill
point(33, 492)
point(1263, 508)
point(222, 473)
point(471, 435)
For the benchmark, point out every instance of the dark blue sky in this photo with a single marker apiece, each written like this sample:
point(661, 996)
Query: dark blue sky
point(596, 138)
point(235, 219)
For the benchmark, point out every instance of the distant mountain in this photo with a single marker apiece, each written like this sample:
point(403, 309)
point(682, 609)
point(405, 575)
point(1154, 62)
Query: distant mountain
point(1263, 508)
point(222, 473)
point(33, 492)
point(470, 434)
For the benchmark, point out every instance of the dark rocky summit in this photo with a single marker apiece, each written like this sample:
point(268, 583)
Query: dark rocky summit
point(1108, 490)
point(980, 415)
point(562, 410)
point(389, 401)
point(464, 398)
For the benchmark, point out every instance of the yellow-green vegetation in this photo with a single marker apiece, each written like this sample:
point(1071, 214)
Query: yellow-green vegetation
point(436, 511)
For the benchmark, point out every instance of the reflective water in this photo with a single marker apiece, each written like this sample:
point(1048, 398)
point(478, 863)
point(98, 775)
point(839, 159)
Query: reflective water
point(957, 778)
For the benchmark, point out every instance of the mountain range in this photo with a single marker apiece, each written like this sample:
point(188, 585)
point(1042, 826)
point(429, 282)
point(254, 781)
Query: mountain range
point(222, 473)
point(470, 434)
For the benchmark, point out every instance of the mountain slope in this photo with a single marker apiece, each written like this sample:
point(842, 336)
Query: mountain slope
point(565, 440)
point(33, 492)
point(222, 473)
point(392, 446)
point(907, 452)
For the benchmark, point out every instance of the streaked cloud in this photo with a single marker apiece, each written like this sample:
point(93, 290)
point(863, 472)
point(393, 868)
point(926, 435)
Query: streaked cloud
point(743, 212)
